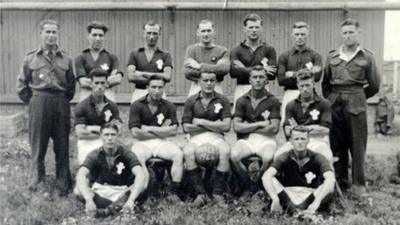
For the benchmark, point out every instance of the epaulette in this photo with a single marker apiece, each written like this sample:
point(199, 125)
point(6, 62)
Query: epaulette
point(333, 53)
point(369, 51)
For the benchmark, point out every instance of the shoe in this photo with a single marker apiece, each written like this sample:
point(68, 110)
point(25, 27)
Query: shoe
point(200, 201)
point(102, 213)
point(220, 201)
point(173, 198)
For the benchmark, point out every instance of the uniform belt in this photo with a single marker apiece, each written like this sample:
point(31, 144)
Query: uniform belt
point(348, 89)
point(48, 93)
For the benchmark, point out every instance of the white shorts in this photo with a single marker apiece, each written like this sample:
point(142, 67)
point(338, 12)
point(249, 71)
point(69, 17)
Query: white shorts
point(195, 88)
point(109, 192)
point(87, 146)
point(207, 138)
point(288, 96)
point(84, 93)
point(140, 93)
point(257, 142)
point(316, 144)
point(154, 145)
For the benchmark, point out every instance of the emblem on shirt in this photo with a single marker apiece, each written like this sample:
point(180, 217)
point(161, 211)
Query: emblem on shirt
point(120, 166)
point(107, 115)
point(105, 67)
point(265, 114)
point(264, 61)
point(217, 107)
point(310, 176)
point(160, 64)
point(214, 59)
point(160, 118)
point(309, 65)
point(314, 114)
point(41, 76)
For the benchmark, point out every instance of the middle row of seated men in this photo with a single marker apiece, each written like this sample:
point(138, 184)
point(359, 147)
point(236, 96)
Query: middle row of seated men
point(206, 117)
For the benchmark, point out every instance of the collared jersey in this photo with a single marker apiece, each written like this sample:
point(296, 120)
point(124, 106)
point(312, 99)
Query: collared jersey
point(87, 114)
point(318, 112)
point(250, 58)
point(140, 113)
point(292, 173)
point(84, 63)
point(41, 73)
point(294, 60)
point(218, 108)
point(360, 72)
point(208, 57)
point(118, 173)
point(158, 62)
point(267, 109)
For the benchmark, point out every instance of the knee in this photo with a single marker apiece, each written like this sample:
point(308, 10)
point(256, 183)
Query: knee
point(224, 151)
point(235, 154)
point(188, 151)
point(178, 157)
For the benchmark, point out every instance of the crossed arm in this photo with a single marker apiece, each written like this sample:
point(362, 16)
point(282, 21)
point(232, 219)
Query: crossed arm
point(150, 132)
point(266, 127)
point(201, 125)
point(137, 75)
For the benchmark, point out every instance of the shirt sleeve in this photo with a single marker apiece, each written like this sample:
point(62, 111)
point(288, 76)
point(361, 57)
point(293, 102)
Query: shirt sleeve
point(326, 116)
point(71, 82)
point(188, 111)
point(80, 115)
point(271, 55)
point(236, 71)
point(91, 161)
point(190, 73)
point(135, 116)
point(226, 109)
point(289, 113)
point(373, 78)
point(324, 164)
point(130, 158)
point(80, 67)
point(239, 108)
point(326, 85)
point(278, 162)
point(317, 61)
point(221, 68)
point(132, 59)
point(115, 112)
point(168, 60)
point(275, 112)
point(24, 78)
point(172, 114)
point(282, 69)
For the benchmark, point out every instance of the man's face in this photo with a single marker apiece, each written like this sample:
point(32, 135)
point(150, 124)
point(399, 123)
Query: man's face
point(156, 89)
point(99, 86)
point(151, 34)
point(206, 33)
point(207, 82)
point(299, 140)
point(306, 87)
point(258, 80)
point(349, 35)
point(253, 30)
point(109, 137)
point(299, 36)
point(49, 34)
point(96, 38)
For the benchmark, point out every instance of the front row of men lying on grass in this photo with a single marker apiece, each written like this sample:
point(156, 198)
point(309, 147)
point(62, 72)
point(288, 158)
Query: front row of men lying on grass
point(298, 176)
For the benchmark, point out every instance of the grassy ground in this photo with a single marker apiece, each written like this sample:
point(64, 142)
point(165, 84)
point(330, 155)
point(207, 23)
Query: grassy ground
point(19, 206)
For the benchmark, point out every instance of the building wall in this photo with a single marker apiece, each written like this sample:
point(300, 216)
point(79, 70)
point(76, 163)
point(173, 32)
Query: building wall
point(19, 34)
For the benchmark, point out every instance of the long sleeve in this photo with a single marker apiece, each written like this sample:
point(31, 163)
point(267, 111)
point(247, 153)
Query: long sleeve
point(70, 78)
point(373, 78)
point(24, 91)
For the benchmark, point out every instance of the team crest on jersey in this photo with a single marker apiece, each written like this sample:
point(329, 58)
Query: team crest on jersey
point(314, 114)
point(160, 118)
point(107, 115)
point(160, 64)
point(309, 65)
point(105, 67)
point(265, 114)
point(120, 166)
point(217, 107)
point(310, 176)
point(213, 59)
point(264, 61)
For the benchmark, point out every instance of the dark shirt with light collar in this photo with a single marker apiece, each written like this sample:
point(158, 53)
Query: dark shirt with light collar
point(85, 63)
point(318, 112)
point(250, 58)
point(140, 113)
point(307, 174)
point(118, 172)
point(218, 108)
point(245, 110)
point(294, 60)
point(87, 114)
point(158, 62)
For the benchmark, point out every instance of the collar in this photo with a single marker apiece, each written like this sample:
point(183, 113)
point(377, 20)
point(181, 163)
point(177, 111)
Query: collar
point(203, 46)
point(316, 98)
point(117, 153)
point(92, 102)
point(244, 44)
point(294, 50)
point(215, 95)
point(87, 50)
point(142, 49)
point(306, 157)
point(42, 50)
point(267, 94)
point(145, 101)
point(346, 58)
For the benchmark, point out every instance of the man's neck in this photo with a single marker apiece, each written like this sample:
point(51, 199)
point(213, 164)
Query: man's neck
point(99, 99)
point(253, 43)
point(95, 50)
point(257, 93)
point(207, 45)
point(307, 99)
point(348, 49)
point(150, 48)
point(300, 47)
point(207, 95)
point(300, 154)
point(49, 47)
point(110, 151)
point(152, 101)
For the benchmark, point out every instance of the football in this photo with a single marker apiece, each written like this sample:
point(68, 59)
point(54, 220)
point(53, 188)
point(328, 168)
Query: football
point(207, 155)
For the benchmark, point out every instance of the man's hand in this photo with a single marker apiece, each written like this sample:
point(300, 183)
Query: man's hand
point(270, 69)
point(90, 206)
point(197, 121)
point(315, 69)
point(193, 63)
point(166, 123)
point(114, 78)
point(289, 74)
point(85, 82)
point(238, 63)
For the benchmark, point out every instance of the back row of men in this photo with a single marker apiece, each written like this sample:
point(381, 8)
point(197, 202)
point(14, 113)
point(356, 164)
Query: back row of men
point(47, 82)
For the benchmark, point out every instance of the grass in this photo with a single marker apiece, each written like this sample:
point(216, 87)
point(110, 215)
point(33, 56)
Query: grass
point(19, 206)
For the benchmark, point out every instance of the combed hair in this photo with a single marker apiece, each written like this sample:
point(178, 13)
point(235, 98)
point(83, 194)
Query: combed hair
point(205, 21)
point(257, 68)
point(252, 17)
point(300, 128)
point(98, 72)
point(111, 125)
point(304, 74)
point(350, 21)
point(96, 25)
point(300, 24)
point(48, 21)
point(152, 23)
point(157, 77)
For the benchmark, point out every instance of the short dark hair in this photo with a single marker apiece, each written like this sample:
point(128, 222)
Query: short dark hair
point(48, 21)
point(300, 24)
point(152, 23)
point(98, 72)
point(109, 125)
point(201, 74)
point(252, 17)
point(299, 128)
point(350, 21)
point(205, 21)
point(96, 25)
point(257, 68)
point(304, 74)
point(156, 77)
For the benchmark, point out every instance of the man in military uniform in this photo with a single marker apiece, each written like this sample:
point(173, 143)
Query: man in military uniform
point(97, 57)
point(296, 58)
point(205, 57)
point(350, 78)
point(148, 60)
point(249, 53)
point(47, 83)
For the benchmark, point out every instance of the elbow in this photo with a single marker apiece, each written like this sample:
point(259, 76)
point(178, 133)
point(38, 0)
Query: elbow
point(135, 132)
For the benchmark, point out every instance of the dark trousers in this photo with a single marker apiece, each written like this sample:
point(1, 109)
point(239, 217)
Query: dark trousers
point(348, 133)
point(49, 117)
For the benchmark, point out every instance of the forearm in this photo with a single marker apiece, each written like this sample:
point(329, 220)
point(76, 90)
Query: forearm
point(241, 127)
point(239, 72)
point(82, 184)
point(324, 190)
point(219, 68)
point(193, 129)
point(220, 126)
point(162, 131)
point(136, 189)
point(267, 181)
point(268, 130)
point(142, 135)
point(191, 74)
point(318, 129)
